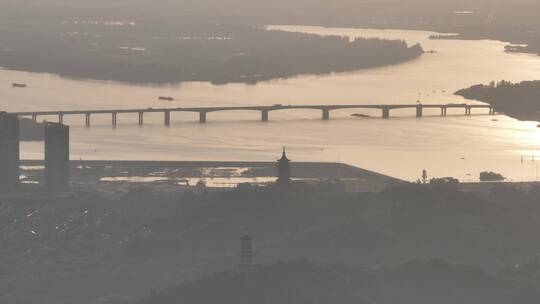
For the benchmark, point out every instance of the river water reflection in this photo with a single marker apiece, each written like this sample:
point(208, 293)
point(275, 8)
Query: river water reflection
point(403, 146)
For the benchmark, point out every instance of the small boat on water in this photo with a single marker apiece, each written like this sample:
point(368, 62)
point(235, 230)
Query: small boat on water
point(167, 98)
point(18, 85)
point(360, 115)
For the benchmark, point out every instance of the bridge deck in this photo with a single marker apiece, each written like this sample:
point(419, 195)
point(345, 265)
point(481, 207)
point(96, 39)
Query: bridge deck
point(265, 110)
point(251, 108)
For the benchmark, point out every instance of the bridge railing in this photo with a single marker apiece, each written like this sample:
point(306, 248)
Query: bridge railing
point(264, 110)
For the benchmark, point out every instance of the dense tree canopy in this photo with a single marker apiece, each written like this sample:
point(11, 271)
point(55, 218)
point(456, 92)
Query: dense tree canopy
point(141, 53)
point(519, 100)
point(298, 282)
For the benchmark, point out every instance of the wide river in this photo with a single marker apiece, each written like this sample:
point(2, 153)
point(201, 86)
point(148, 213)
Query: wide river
point(403, 146)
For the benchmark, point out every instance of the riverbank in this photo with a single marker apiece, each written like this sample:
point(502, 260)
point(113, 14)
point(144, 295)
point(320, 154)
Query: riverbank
point(375, 144)
point(518, 100)
point(527, 45)
point(216, 54)
point(213, 174)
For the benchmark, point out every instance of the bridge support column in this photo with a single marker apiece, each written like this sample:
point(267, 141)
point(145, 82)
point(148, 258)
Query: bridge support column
point(202, 117)
point(385, 113)
point(167, 118)
point(87, 119)
point(141, 118)
point(443, 111)
point(419, 111)
point(325, 114)
point(61, 118)
point(114, 119)
point(264, 115)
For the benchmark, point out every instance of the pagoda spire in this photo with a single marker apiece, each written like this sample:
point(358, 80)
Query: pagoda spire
point(284, 156)
point(284, 169)
point(246, 252)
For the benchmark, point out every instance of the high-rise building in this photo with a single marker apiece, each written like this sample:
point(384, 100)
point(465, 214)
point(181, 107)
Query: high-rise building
point(246, 253)
point(284, 170)
point(9, 151)
point(56, 157)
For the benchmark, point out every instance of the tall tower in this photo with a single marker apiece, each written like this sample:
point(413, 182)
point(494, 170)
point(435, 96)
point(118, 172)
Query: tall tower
point(56, 157)
point(9, 151)
point(284, 170)
point(246, 253)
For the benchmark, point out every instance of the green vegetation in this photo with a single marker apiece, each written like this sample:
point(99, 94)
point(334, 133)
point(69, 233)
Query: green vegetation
point(519, 100)
point(418, 282)
point(445, 183)
point(514, 21)
point(491, 177)
point(154, 53)
point(125, 244)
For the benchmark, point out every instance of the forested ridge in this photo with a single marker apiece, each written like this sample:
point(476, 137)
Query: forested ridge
point(519, 100)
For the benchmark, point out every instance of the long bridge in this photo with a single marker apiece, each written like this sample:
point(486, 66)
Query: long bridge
point(264, 110)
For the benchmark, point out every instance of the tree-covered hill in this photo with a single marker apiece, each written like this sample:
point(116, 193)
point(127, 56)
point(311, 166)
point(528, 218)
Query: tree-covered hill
point(302, 282)
point(515, 21)
point(158, 53)
point(129, 242)
point(519, 100)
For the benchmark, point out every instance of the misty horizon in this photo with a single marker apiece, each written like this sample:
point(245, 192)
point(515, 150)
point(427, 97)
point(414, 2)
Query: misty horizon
point(286, 152)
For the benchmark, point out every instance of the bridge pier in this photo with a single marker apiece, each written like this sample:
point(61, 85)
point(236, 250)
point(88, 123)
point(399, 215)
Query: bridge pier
point(167, 118)
point(202, 117)
point(325, 114)
point(419, 111)
point(386, 113)
point(87, 120)
point(443, 111)
point(264, 110)
point(264, 115)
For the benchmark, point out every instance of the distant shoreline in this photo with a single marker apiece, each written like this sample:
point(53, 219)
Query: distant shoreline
point(246, 55)
point(246, 81)
point(517, 100)
point(299, 169)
